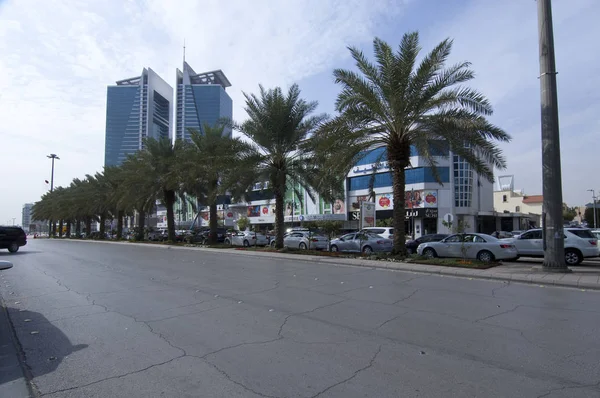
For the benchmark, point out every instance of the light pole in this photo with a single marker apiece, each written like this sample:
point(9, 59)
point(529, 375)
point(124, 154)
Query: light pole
point(552, 218)
point(594, 205)
point(54, 157)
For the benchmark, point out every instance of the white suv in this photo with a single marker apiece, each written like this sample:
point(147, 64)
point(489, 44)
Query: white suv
point(384, 232)
point(579, 244)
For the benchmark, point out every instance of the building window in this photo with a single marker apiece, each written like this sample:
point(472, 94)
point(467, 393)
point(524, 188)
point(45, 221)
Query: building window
point(517, 209)
point(505, 199)
point(463, 182)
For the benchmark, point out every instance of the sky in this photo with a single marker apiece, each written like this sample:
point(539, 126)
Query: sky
point(58, 56)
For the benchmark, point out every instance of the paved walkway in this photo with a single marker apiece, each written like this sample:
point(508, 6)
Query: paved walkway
point(582, 277)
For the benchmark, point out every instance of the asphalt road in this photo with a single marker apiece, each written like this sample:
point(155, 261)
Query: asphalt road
point(107, 320)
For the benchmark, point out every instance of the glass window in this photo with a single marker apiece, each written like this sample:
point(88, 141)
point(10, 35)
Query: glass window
point(582, 233)
point(454, 239)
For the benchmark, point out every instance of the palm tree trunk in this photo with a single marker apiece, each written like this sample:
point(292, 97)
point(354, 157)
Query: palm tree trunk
point(60, 228)
point(88, 226)
point(68, 234)
point(169, 197)
point(279, 218)
point(213, 223)
point(120, 215)
point(77, 228)
point(54, 228)
point(399, 160)
point(102, 225)
point(141, 224)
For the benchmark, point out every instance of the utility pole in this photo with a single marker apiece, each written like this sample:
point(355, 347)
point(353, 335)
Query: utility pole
point(54, 157)
point(594, 206)
point(552, 218)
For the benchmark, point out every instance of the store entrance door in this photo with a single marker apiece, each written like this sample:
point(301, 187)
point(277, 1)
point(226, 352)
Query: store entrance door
point(429, 226)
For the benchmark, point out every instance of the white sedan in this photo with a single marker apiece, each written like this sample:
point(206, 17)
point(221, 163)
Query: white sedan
point(246, 239)
point(482, 247)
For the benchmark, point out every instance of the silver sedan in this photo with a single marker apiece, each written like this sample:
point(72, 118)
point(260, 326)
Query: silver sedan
point(482, 247)
point(246, 239)
point(361, 243)
point(304, 240)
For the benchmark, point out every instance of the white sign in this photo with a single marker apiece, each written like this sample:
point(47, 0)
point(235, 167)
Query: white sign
point(367, 214)
point(384, 201)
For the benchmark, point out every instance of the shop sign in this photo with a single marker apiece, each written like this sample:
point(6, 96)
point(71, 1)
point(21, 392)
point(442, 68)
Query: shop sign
point(421, 213)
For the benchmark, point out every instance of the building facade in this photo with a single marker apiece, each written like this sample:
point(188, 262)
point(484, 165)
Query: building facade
point(516, 210)
point(26, 219)
point(136, 109)
point(201, 99)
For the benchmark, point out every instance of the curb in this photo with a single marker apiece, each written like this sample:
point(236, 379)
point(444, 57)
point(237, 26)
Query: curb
point(534, 278)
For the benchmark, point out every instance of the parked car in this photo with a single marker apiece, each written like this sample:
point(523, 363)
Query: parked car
point(246, 239)
point(158, 235)
point(361, 242)
point(304, 240)
point(384, 232)
point(12, 238)
point(411, 245)
point(503, 234)
point(596, 232)
point(203, 236)
point(579, 244)
point(482, 247)
point(516, 233)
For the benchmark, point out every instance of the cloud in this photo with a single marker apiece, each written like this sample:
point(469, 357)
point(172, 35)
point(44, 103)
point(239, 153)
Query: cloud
point(500, 38)
point(59, 56)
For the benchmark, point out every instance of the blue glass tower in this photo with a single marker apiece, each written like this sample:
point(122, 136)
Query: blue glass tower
point(136, 108)
point(201, 99)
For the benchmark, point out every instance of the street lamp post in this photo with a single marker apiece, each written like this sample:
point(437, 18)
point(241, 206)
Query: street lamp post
point(552, 218)
point(594, 206)
point(54, 157)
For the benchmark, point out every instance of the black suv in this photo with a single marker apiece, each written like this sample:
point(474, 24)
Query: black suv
point(12, 238)
point(202, 236)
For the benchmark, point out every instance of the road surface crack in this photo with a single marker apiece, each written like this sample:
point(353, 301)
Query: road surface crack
point(407, 297)
point(245, 387)
point(114, 377)
point(498, 314)
point(549, 392)
point(279, 333)
point(391, 320)
point(504, 286)
point(370, 364)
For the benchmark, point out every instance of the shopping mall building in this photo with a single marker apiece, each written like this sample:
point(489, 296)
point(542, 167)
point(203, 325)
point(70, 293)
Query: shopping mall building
point(462, 194)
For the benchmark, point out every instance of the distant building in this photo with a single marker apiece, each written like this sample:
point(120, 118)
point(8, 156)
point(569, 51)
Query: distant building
point(136, 108)
point(201, 99)
point(26, 216)
point(524, 210)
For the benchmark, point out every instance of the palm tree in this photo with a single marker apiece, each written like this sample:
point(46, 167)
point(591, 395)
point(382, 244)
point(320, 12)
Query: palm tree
point(397, 103)
point(279, 127)
point(156, 170)
point(213, 164)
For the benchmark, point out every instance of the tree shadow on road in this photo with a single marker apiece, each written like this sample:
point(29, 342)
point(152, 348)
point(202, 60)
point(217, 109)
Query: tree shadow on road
point(40, 345)
point(6, 255)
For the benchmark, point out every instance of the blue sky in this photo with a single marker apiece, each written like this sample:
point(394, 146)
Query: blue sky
point(58, 56)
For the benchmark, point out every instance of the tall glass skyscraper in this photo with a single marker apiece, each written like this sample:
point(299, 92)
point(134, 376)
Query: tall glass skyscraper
point(201, 99)
point(136, 108)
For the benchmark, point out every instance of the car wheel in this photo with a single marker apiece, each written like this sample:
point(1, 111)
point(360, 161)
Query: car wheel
point(334, 248)
point(409, 251)
point(485, 256)
point(246, 243)
point(273, 244)
point(429, 253)
point(14, 247)
point(302, 246)
point(573, 257)
point(227, 242)
point(367, 250)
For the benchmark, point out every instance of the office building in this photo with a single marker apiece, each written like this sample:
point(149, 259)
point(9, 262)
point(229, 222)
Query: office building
point(201, 99)
point(26, 216)
point(136, 109)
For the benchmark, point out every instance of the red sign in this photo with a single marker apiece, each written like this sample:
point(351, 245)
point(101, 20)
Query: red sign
point(230, 215)
point(431, 199)
point(384, 201)
point(265, 210)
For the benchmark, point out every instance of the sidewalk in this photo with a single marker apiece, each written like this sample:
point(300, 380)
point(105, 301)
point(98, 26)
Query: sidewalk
point(12, 379)
point(582, 277)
